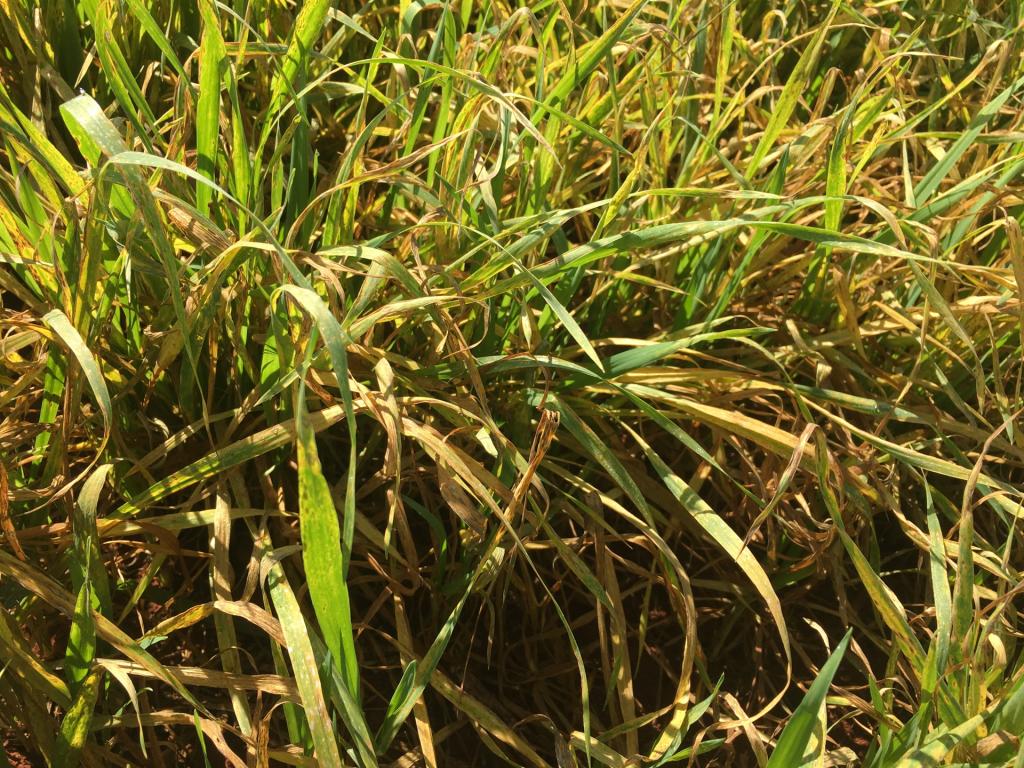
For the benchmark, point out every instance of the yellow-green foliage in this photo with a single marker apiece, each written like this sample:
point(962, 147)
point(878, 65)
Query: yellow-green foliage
point(470, 383)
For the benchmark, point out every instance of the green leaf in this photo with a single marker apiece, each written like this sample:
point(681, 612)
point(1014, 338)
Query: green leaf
point(36, 141)
point(308, 27)
point(118, 72)
point(152, 28)
point(941, 596)
point(304, 667)
point(67, 333)
point(399, 706)
point(591, 55)
point(416, 677)
point(793, 91)
point(806, 722)
point(335, 339)
point(86, 541)
point(211, 59)
point(81, 648)
point(721, 534)
point(931, 181)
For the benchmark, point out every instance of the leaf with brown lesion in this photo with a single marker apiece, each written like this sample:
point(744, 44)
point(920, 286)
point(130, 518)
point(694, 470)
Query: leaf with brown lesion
point(10, 534)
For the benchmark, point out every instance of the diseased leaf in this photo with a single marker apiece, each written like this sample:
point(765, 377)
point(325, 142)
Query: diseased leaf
point(322, 554)
point(74, 728)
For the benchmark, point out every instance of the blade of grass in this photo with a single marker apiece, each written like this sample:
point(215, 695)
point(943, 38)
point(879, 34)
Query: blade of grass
point(806, 723)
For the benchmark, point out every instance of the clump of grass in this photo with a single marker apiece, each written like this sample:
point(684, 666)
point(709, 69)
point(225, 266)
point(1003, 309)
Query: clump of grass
point(460, 384)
